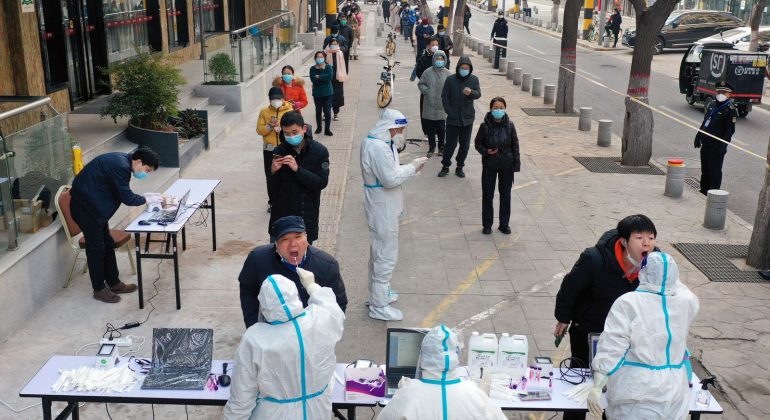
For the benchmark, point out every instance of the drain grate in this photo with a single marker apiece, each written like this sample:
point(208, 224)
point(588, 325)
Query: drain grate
point(713, 260)
point(545, 112)
point(693, 182)
point(611, 165)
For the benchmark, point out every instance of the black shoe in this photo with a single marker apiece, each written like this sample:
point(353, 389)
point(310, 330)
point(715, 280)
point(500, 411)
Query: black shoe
point(486, 231)
point(444, 172)
point(328, 133)
point(429, 154)
point(459, 172)
point(505, 229)
point(318, 130)
point(269, 208)
point(765, 274)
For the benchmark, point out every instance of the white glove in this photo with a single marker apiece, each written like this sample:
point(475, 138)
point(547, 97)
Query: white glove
point(419, 163)
point(595, 395)
point(308, 280)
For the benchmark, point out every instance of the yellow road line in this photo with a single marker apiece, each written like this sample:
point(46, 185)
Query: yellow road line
point(430, 319)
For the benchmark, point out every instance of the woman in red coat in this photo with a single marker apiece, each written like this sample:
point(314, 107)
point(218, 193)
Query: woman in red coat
point(293, 88)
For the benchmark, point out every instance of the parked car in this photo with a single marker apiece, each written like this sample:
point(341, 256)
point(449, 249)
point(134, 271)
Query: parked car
point(738, 37)
point(684, 27)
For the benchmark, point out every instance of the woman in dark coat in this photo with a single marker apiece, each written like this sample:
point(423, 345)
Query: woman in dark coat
point(386, 10)
point(335, 57)
point(498, 145)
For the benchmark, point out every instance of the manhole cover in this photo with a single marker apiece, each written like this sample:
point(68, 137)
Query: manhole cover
point(611, 165)
point(693, 182)
point(545, 112)
point(713, 260)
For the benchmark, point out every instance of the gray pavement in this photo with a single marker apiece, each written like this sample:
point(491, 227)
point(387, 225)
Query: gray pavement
point(448, 272)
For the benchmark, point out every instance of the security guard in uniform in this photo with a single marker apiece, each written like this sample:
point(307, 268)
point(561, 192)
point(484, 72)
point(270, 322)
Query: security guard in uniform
point(720, 119)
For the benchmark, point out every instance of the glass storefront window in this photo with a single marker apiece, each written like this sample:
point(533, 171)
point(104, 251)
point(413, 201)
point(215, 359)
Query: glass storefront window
point(126, 29)
point(177, 23)
point(211, 12)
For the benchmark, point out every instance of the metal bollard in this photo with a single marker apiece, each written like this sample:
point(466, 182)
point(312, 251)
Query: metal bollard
point(604, 136)
point(549, 95)
point(584, 122)
point(503, 65)
point(518, 75)
point(526, 82)
point(674, 178)
point(716, 209)
point(509, 71)
point(537, 86)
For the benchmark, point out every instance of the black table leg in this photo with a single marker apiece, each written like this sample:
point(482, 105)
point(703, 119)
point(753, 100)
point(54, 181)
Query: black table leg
point(213, 222)
point(168, 242)
point(176, 273)
point(352, 413)
point(184, 239)
point(46, 409)
point(75, 411)
point(146, 242)
point(138, 240)
point(695, 416)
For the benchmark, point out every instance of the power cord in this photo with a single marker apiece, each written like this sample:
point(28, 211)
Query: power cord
point(108, 411)
point(575, 373)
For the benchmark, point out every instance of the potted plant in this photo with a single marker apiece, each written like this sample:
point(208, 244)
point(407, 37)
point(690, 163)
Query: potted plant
point(223, 89)
point(193, 134)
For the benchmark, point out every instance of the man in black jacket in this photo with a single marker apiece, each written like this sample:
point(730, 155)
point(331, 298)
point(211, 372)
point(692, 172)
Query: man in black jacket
point(460, 90)
point(500, 37)
point(444, 42)
point(290, 250)
point(425, 61)
point(601, 274)
point(97, 192)
point(347, 32)
point(719, 121)
point(299, 172)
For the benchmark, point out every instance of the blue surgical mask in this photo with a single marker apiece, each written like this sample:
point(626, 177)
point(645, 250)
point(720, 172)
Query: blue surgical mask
point(320, 60)
point(140, 175)
point(287, 78)
point(334, 47)
point(438, 63)
point(464, 72)
point(498, 114)
point(294, 140)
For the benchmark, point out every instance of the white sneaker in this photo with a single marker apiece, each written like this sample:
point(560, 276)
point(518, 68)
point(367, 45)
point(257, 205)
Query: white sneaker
point(385, 313)
point(392, 297)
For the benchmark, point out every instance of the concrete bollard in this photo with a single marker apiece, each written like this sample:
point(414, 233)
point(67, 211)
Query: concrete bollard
point(549, 95)
point(491, 55)
point(604, 135)
point(486, 50)
point(379, 11)
point(474, 44)
point(584, 122)
point(379, 32)
point(509, 70)
point(558, 28)
point(716, 209)
point(675, 178)
point(480, 48)
point(537, 86)
point(503, 65)
point(526, 82)
point(606, 42)
point(518, 75)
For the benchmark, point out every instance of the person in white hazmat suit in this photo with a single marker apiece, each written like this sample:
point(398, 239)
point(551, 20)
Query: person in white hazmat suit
point(284, 365)
point(384, 202)
point(642, 354)
point(440, 394)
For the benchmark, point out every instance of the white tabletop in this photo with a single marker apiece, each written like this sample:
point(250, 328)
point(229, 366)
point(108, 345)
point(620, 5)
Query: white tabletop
point(199, 189)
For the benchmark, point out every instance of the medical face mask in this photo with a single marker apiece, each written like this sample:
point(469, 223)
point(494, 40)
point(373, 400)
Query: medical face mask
point(721, 97)
point(320, 60)
point(334, 47)
point(464, 72)
point(434, 48)
point(442, 33)
point(294, 140)
point(498, 114)
point(399, 140)
point(276, 103)
point(140, 175)
point(439, 64)
point(343, 22)
point(424, 26)
point(287, 78)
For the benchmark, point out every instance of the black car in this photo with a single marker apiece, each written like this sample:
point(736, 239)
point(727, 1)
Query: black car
point(684, 27)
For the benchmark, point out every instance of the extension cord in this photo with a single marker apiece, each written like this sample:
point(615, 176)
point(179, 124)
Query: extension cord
point(118, 341)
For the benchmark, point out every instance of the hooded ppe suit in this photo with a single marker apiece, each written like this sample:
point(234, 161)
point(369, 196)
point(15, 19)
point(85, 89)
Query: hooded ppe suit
point(643, 346)
point(383, 202)
point(440, 394)
point(283, 366)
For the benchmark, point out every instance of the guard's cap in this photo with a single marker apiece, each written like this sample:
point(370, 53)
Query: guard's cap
point(284, 225)
point(275, 93)
point(724, 87)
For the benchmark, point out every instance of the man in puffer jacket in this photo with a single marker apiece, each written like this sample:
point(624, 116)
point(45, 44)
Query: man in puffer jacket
point(269, 126)
point(293, 88)
point(432, 115)
point(460, 90)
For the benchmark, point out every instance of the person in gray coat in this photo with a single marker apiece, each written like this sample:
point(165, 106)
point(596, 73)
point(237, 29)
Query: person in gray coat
point(432, 115)
point(460, 90)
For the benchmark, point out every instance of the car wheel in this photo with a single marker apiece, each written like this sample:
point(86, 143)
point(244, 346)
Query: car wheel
point(743, 111)
point(690, 99)
point(657, 48)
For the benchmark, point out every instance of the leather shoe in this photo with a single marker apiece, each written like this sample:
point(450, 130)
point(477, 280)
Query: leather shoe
point(106, 295)
point(459, 172)
point(765, 274)
point(486, 231)
point(444, 172)
point(505, 229)
point(123, 288)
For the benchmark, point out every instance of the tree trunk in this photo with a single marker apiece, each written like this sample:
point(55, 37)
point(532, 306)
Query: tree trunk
point(450, 17)
point(756, 19)
point(425, 10)
point(759, 246)
point(638, 122)
point(565, 91)
point(457, 28)
point(555, 13)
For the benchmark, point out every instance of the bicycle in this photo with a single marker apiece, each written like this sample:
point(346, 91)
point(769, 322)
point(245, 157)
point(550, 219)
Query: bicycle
point(390, 44)
point(387, 83)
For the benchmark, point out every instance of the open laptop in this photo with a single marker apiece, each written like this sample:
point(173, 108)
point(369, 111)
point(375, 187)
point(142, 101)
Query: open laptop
point(402, 354)
point(169, 216)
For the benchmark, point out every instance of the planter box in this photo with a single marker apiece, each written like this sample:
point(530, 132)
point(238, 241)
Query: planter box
point(166, 144)
point(227, 95)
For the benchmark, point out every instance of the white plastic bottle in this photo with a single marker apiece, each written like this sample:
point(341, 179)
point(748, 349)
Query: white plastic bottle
point(512, 354)
point(482, 354)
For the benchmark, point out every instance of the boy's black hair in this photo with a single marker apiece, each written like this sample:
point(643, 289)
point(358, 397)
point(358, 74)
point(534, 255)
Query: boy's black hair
point(291, 118)
point(636, 223)
point(147, 156)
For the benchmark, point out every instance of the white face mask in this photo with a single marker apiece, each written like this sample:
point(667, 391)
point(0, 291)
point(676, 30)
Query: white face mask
point(276, 103)
point(721, 97)
point(434, 48)
point(399, 140)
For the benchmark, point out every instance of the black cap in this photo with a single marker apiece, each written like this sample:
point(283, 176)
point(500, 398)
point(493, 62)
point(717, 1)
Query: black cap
point(275, 93)
point(284, 225)
point(724, 86)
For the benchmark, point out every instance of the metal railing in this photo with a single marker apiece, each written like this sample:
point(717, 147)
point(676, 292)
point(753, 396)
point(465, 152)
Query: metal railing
point(35, 160)
point(255, 47)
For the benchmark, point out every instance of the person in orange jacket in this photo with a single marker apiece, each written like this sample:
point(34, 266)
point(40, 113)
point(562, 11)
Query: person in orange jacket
point(269, 126)
point(293, 88)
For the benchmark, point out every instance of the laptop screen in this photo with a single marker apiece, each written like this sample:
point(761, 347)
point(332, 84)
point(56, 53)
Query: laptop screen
point(403, 351)
point(593, 344)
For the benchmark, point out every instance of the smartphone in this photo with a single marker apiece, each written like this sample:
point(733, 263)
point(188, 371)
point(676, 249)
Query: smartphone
point(277, 157)
point(557, 341)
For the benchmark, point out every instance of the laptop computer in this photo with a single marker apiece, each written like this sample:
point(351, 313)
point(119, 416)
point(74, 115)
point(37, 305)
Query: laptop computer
point(169, 216)
point(181, 358)
point(402, 354)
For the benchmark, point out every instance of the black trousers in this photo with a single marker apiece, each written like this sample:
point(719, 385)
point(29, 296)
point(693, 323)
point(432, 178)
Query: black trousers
point(435, 130)
point(609, 32)
point(324, 104)
point(455, 135)
point(465, 24)
point(500, 51)
point(267, 158)
point(711, 160)
point(504, 180)
point(100, 248)
point(578, 341)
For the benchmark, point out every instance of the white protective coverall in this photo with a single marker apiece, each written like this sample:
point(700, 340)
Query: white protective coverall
point(643, 346)
point(440, 394)
point(283, 367)
point(384, 202)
